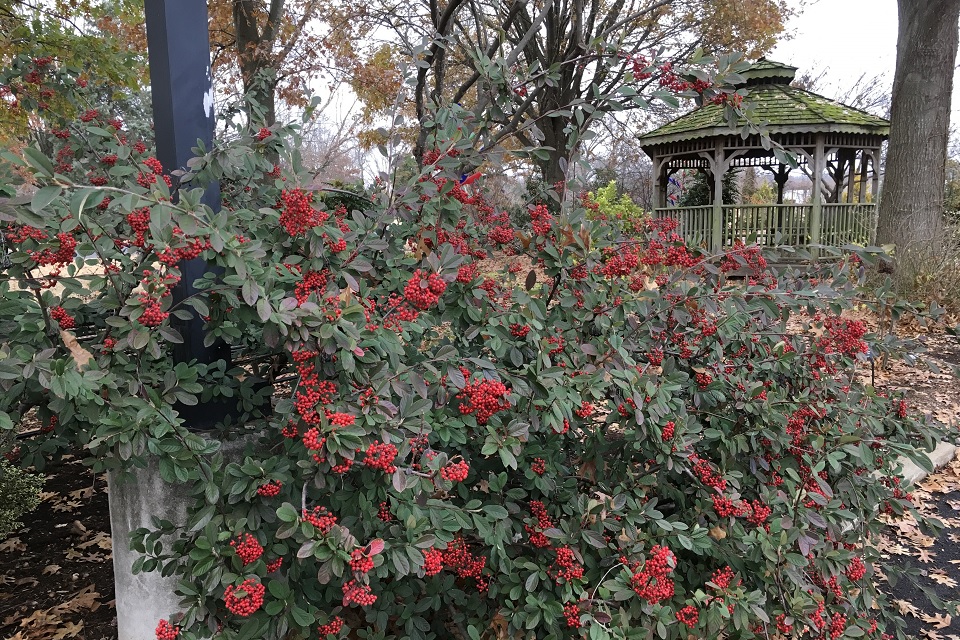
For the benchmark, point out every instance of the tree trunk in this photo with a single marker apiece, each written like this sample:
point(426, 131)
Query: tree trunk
point(254, 45)
point(911, 203)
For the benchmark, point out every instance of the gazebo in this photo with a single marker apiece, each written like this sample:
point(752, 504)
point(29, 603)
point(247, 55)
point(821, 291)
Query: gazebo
point(826, 137)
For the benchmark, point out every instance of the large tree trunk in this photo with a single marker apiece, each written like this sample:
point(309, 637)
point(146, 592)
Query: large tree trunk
point(254, 47)
point(911, 205)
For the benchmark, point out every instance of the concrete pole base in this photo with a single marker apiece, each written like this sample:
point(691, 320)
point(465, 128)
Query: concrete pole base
point(146, 598)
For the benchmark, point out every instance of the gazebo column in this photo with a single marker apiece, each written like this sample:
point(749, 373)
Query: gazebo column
point(719, 168)
point(657, 179)
point(861, 196)
point(875, 192)
point(819, 160)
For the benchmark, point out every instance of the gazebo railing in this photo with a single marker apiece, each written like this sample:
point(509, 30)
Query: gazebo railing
point(695, 223)
point(847, 224)
point(774, 224)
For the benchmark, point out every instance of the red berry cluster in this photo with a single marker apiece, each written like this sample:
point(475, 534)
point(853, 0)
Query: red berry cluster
point(541, 220)
point(156, 169)
point(139, 221)
point(166, 631)
point(455, 471)
point(838, 625)
point(424, 290)
point(586, 409)
point(483, 398)
point(566, 566)
point(246, 599)
point(571, 613)
point(270, 489)
point(741, 256)
point(688, 616)
point(332, 628)
point(64, 319)
point(502, 234)
point(538, 466)
point(722, 577)
point(652, 582)
point(538, 511)
point(380, 455)
point(275, 565)
point(708, 476)
point(901, 406)
point(758, 513)
point(153, 315)
point(297, 215)
point(467, 273)
point(519, 330)
point(666, 434)
point(458, 558)
point(432, 562)
point(62, 256)
point(361, 594)
point(320, 518)
point(655, 357)
point(384, 512)
point(312, 282)
point(725, 507)
point(360, 561)
point(846, 336)
point(703, 379)
point(856, 569)
point(263, 134)
point(248, 548)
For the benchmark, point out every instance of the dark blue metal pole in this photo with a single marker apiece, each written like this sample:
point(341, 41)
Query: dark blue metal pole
point(181, 84)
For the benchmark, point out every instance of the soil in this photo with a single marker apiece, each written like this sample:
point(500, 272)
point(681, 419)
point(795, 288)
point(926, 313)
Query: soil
point(56, 573)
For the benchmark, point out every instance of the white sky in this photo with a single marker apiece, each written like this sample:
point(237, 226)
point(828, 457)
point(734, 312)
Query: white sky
point(850, 37)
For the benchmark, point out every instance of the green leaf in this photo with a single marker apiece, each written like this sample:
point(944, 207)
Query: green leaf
point(39, 161)
point(42, 198)
point(287, 513)
point(496, 511)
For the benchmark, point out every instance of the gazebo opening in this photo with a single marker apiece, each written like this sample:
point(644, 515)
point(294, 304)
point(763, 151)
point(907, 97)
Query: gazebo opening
point(825, 136)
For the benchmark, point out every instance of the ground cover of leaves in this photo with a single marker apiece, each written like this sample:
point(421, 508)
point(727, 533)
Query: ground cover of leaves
point(56, 574)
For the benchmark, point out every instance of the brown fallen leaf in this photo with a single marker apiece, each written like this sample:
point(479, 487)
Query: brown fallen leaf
point(12, 544)
point(80, 355)
point(68, 630)
point(938, 621)
point(941, 577)
point(51, 569)
point(906, 608)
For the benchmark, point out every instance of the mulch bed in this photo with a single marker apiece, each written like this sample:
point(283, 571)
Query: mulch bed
point(56, 573)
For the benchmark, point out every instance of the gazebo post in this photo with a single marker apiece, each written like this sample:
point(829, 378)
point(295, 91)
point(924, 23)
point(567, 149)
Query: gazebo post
point(816, 210)
point(719, 169)
point(657, 178)
point(875, 192)
point(861, 195)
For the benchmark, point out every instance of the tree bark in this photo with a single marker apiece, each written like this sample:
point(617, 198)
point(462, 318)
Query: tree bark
point(254, 47)
point(911, 203)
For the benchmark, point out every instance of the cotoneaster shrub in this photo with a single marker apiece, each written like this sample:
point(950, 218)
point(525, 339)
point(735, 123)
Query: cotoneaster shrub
point(621, 442)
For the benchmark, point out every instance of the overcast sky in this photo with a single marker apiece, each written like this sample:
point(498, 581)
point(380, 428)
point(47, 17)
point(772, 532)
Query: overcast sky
point(850, 37)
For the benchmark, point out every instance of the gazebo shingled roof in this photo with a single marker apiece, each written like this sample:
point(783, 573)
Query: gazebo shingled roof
point(826, 137)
